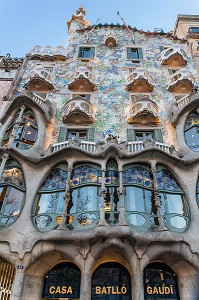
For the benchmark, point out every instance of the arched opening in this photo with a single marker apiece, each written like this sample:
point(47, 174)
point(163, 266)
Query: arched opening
point(62, 282)
point(7, 274)
point(160, 282)
point(49, 202)
point(191, 131)
point(111, 281)
point(12, 193)
point(22, 132)
point(83, 208)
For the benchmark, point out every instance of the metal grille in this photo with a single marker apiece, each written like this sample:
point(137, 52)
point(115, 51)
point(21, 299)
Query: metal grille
point(7, 273)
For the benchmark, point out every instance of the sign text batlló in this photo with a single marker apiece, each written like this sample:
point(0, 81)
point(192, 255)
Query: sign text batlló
point(111, 290)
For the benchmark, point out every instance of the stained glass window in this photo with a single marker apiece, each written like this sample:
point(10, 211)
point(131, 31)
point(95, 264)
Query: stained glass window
point(26, 132)
point(166, 181)
point(111, 281)
point(50, 199)
point(138, 175)
point(160, 282)
point(192, 131)
point(86, 174)
point(12, 193)
point(62, 282)
point(112, 174)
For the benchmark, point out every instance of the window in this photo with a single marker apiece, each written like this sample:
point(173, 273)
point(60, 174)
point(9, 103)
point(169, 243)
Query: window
point(25, 131)
point(66, 134)
point(85, 96)
point(81, 135)
point(134, 54)
point(83, 208)
point(12, 193)
point(192, 131)
point(197, 45)
point(50, 199)
point(172, 71)
point(137, 97)
point(86, 52)
point(140, 135)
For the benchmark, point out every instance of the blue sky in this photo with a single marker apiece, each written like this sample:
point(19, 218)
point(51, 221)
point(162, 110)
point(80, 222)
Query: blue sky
point(26, 23)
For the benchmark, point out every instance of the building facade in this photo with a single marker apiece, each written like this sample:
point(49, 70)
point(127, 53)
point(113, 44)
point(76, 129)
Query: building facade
point(99, 165)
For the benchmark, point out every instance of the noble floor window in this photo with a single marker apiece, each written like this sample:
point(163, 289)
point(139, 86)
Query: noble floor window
point(83, 208)
point(134, 54)
point(160, 282)
point(111, 281)
point(24, 130)
point(12, 193)
point(7, 273)
point(86, 52)
point(81, 135)
point(192, 131)
point(62, 282)
point(48, 207)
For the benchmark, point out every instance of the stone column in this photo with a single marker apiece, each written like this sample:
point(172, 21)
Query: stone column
point(121, 192)
point(188, 287)
point(66, 199)
point(32, 288)
point(5, 157)
point(16, 126)
point(85, 289)
point(103, 191)
point(157, 199)
point(137, 286)
point(17, 284)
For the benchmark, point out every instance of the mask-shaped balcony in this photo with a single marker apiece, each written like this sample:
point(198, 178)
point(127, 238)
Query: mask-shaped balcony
point(139, 81)
point(174, 57)
point(82, 80)
point(78, 111)
point(182, 82)
point(144, 111)
point(39, 79)
point(48, 53)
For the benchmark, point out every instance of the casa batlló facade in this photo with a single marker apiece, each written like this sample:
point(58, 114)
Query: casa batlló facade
point(99, 165)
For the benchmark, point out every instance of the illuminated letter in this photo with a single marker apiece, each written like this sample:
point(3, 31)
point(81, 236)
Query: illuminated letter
point(97, 290)
point(149, 290)
point(58, 290)
point(167, 290)
point(52, 290)
point(113, 292)
point(155, 290)
point(63, 290)
point(70, 291)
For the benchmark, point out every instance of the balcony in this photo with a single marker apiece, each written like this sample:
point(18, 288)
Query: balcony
point(193, 32)
point(78, 111)
point(139, 81)
point(174, 57)
point(144, 111)
point(48, 53)
point(82, 80)
point(182, 82)
point(39, 80)
point(132, 147)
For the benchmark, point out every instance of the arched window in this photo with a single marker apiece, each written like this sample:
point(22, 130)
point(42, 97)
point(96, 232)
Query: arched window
point(192, 131)
point(139, 198)
point(12, 193)
point(62, 282)
point(160, 282)
point(50, 199)
point(112, 201)
point(7, 273)
point(111, 281)
point(83, 209)
point(24, 130)
point(174, 205)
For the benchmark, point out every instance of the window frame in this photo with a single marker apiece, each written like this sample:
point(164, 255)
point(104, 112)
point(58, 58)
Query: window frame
point(81, 49)
point(140, 53)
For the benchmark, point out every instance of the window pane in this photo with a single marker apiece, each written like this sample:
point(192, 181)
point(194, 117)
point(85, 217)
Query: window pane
point(192, 138)
point(135, 199)
point(87, 198)
point(175, 204)
point(13, 204)
point(50, 203)
point(30, 133)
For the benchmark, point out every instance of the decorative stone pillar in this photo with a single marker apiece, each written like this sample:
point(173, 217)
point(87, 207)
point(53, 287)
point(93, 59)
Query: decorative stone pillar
point(18, 283)
point(121, 192)
point(67, 199)
point(157, 199)
point(188, 287)
point(16, 126)
point(103, 192)
point(137, 286)
point(5, 157)
point(85, 289)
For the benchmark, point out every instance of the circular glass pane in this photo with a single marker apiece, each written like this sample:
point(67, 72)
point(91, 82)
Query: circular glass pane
point(43, 221)
point(136, 219)
point(86, 219)
point(178, 222)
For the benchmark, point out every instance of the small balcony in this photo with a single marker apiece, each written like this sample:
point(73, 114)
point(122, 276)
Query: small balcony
point(144, 111)
point(182, 82)
point(78, 111)
point(139, 81)
point(193, 32)
point(48, 53)
point(174, 57)
point(39, 80)
point(82, 80)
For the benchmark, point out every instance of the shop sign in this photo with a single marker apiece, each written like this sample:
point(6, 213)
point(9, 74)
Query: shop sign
point(111, 290)
point(160, 290)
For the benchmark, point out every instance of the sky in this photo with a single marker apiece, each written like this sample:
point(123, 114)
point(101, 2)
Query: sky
point(27, 23)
